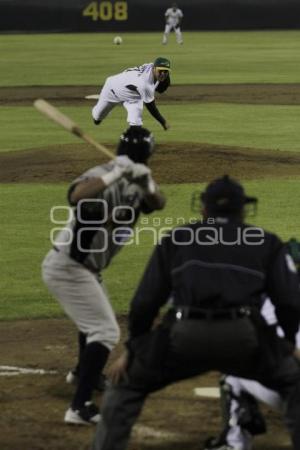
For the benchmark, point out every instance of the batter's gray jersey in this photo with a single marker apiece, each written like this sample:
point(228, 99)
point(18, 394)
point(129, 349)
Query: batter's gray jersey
point(100, 226)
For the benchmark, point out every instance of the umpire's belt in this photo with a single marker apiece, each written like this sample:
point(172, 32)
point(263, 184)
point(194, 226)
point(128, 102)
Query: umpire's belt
point(182, 313)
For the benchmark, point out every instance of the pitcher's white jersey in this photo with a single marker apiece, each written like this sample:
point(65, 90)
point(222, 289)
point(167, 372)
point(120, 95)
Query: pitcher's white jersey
point(133, 84)
point(173, 16)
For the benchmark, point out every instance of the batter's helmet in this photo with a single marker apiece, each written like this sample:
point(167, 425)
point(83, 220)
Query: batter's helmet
point(137, 143)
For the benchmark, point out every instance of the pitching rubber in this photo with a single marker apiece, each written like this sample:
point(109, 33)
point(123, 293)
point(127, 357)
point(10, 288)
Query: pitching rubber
point(92, 97)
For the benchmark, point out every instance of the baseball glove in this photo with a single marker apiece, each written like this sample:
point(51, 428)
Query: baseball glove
point(163, 85)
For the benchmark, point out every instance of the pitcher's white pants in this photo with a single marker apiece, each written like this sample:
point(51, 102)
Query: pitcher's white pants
point(108, 100)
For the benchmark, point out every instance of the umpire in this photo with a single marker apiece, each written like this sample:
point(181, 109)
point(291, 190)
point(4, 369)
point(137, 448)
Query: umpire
point(215, 272)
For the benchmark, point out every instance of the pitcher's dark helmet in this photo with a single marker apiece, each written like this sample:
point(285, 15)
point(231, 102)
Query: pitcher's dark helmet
point(137, 143)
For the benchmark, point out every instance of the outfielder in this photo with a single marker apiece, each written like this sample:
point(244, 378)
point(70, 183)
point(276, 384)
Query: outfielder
point(108, 200)
point(241, 415)
point(133, 88)
point(173, 17)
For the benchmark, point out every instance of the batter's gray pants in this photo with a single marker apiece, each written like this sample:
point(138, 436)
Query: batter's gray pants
point(83, 298)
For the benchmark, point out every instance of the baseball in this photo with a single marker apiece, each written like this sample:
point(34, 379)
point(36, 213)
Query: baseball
point(117, 40)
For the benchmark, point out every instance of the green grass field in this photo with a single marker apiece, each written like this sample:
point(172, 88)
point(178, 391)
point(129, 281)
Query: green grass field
point(86, 59)
point(26, 239)
point(206, 57)
point(256, 126)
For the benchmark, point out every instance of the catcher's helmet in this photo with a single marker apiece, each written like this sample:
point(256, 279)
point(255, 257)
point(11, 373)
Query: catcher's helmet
point(137, 143)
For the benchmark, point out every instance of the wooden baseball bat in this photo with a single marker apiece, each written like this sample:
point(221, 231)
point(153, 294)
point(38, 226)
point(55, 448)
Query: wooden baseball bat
point(61, 119)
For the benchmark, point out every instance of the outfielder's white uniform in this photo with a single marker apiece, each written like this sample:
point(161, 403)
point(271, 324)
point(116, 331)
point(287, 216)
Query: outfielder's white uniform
point(131, 88)
point(236, 437)
point(173, 18)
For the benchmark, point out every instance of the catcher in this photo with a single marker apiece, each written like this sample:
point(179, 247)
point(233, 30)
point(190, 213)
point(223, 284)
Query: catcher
point(241, 415)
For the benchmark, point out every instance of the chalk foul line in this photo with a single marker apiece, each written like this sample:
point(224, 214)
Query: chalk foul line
point(11, 371)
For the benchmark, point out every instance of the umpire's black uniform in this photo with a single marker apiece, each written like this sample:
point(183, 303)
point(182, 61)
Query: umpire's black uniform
point(215, 272)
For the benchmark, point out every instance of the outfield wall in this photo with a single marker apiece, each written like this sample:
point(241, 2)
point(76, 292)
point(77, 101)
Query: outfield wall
point(145, 15)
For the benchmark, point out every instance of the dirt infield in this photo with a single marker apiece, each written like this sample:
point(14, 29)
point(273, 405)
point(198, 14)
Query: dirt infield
point(33, 405)
point(277, 94)
point(186, 162)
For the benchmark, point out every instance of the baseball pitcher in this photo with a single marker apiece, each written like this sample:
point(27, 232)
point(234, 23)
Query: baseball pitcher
point(133, 88)
point(173, 17)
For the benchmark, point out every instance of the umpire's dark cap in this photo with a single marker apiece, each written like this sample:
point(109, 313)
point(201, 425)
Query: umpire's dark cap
point(225, 195)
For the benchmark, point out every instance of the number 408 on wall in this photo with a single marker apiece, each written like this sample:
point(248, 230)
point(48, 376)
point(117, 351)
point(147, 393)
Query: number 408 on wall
point(106, 10)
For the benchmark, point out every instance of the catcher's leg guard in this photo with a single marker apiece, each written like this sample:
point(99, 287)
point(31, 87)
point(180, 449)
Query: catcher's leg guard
point(240, 407)
point(249, 415)
point(241, 418)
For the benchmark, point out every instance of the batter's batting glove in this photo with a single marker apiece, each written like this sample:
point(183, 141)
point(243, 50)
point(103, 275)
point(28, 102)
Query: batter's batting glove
point(138, 170)
point(122, 168)
point(141, 175)
point(124, 162)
